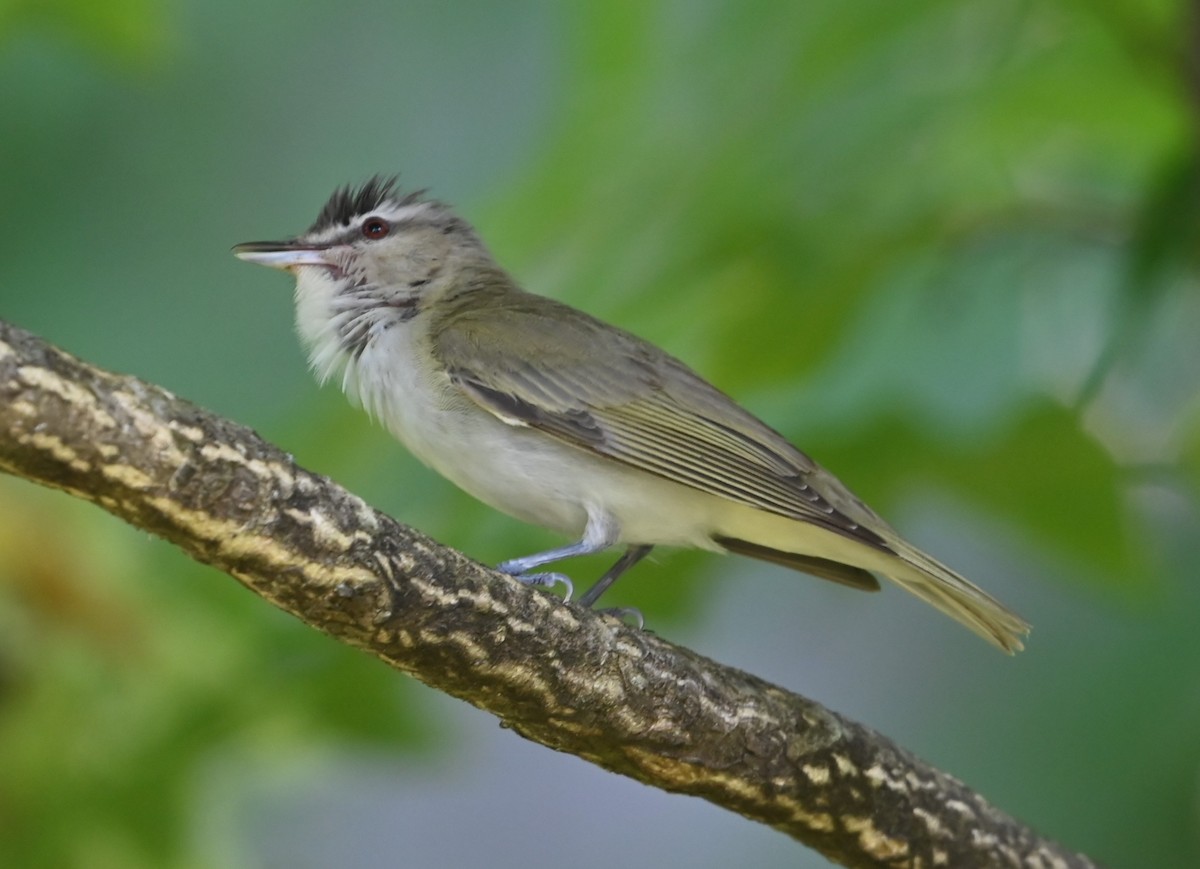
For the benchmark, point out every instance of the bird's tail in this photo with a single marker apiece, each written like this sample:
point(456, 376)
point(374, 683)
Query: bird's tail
point(958, 598)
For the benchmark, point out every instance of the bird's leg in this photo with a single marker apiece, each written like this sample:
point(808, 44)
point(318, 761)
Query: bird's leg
point(518, 568)
point(632, 556)
point(597, 536)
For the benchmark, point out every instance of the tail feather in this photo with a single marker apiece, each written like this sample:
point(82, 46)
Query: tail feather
point(959, 598)
point(825, 568)
point(914, 571)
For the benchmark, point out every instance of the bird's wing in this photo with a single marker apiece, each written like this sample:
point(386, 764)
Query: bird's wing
point(609, 392)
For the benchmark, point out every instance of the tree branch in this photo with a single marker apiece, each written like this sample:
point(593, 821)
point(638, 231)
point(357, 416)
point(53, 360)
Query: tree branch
point(566, 677)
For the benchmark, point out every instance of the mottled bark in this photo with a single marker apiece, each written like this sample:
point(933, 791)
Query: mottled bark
point(557, 674)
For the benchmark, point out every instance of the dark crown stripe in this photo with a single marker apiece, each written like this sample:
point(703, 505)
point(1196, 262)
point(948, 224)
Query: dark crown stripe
point(349, 202)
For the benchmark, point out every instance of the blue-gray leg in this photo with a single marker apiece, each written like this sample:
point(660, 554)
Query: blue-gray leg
point(600, 534)
point(632, 556)
point(519, 568)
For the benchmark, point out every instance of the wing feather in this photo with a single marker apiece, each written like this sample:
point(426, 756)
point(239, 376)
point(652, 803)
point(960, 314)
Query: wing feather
point(607, 391)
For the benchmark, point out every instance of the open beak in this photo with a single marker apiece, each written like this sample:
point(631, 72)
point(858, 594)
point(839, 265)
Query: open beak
point(281, 254)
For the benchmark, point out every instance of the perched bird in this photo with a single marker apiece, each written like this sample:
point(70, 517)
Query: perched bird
point(561, 420)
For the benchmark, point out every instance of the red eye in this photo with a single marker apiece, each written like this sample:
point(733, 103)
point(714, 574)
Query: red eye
point(375, 228)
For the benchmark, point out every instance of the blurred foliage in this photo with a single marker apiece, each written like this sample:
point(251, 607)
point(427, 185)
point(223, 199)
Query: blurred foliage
point(962, 236)
point(127, 32)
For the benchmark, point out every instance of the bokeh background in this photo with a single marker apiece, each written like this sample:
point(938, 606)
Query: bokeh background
point(948, 248)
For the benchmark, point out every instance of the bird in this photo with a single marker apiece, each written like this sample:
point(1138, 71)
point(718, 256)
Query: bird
point(559, 419)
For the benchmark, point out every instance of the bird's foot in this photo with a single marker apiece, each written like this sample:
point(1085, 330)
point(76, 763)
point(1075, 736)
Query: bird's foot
point(622, 613)
point(545, 580)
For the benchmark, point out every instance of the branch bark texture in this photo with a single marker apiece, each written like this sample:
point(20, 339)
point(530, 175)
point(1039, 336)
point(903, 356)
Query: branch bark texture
point(557, 674)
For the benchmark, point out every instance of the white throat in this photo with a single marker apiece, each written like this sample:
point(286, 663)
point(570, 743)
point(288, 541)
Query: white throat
point(316, 290)
point(342, 326)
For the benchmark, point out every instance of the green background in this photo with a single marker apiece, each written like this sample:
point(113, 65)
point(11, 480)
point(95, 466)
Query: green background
point(948, 248)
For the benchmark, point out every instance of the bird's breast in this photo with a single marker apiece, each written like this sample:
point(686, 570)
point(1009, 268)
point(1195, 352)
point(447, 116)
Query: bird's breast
point(511, 468)
point(514, 468)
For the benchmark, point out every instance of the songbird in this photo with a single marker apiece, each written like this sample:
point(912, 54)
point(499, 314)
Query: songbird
point(552, 416)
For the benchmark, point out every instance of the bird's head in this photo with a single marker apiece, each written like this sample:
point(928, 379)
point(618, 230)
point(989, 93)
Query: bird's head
point(373, 258)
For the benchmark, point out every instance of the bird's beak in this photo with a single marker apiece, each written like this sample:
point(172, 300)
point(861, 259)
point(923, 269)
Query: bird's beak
point(281, 254)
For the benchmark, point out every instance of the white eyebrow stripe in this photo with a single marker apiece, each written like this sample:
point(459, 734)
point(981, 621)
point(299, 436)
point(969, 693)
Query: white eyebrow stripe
point(388, 211)
point(325, 235)
point(398, 214)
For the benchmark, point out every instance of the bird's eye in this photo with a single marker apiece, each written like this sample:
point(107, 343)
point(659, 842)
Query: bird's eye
point(375, 228)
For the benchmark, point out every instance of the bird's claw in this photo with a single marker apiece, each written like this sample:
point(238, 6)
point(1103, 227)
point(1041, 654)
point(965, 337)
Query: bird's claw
point(621, 613)
point(546, 580)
